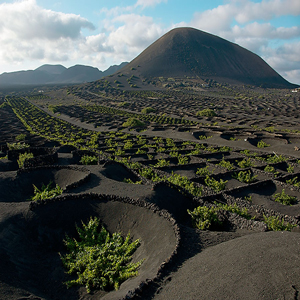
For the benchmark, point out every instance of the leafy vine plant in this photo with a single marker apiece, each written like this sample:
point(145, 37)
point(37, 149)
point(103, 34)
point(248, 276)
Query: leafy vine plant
point(98, 259)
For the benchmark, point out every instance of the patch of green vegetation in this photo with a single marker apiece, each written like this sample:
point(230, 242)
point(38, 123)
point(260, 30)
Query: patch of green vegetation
point(248, 153)
point(89, 160)
point(98, 259)
point(262, 144)
point(203, 171)
point(148, 173)
point(226, 164)
point(225, 149)
point(215, 184)
point(275, 224)
point(271, 169)
point(53, 108)
point(234, 209)
point(147, 110)
point(284, 198)
point(21, 137)
point(204, 218)
point(128, 145)
point(203, 137)
point(182, 160)
point(275, 158)
point(207, 112)
point(248, 198)
point(128, 180)
point(161, 163)
point(22, 158)
point(119, 152)
point(290, 168)
point(293, 181)
point(46, 192)
point(245, 176)
point(245, 163)
point(184, 182)
point(124, 104)
point(133, 122)
point(17, 146)
point(140, 151)
point(211, 149)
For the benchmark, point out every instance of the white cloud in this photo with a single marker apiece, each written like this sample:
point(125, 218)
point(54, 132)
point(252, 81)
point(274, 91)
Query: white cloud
point(147, 3)
point(214, 20)
point(26, 20)
point(265, 10)
point(29, 32)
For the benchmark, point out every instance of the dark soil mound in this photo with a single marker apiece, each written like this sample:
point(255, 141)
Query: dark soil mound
point(30, 243)
point(191, 52)
point(256, 266)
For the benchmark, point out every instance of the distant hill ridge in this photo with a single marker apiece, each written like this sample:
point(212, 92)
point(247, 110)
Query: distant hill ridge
point(190, 52)
point(57, 74)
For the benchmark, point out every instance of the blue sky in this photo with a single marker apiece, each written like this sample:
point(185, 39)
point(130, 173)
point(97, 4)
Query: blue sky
point(102, 33)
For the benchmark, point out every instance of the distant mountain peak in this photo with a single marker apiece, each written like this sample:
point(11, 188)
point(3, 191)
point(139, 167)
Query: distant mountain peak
point(51, 69)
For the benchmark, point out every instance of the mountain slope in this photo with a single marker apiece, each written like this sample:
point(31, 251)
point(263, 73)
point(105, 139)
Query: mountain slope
point(194, 53)
point(56, 74)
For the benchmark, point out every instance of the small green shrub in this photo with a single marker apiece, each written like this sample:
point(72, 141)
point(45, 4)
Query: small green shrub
point(225, 149)
point(21, 137)
point(147, 110)
point(293, 181)
point(274, 223)
point(215, 184)
point(226, 164)
point(284, 198)
point(128, 180)
point(23, 157)
point(245, 163)
point(98, 259)
point(248, 198)
point(248, 153)
point(207, 112)
point(162, 163)
point(46, 192)
point(119, 152)
point(124, 104)
point(17, 146)
point(89, 160)
point(133, 122)
point(140, 151)
point(245, 176)
point(148, 173)
point(203, 171)
point(182, 160)
point(271, 169)
point(290, 169)
point(184, 182)
point(128, 145)
point(234, 209)
point(262, 144)
point(204, 217)
point(275, 158)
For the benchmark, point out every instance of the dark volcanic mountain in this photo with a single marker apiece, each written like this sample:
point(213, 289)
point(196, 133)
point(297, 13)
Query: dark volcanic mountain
point(190, 52)
point(56, 74)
